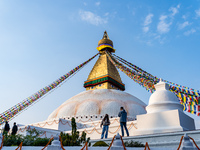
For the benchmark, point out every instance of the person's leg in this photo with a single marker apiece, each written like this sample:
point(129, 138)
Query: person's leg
point(127, 133)
point(122, 130)
point(102, 134)
point(106, 135)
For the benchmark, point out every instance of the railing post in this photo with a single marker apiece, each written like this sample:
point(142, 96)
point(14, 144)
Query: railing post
point(55, 145)
point(117, 144)
point(187, 144)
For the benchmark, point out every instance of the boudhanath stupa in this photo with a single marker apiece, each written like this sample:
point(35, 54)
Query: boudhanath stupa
point(104, 95)
point(163, 120)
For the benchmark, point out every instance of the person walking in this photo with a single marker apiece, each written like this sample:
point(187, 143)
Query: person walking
point(14, 129)
point(105, 122)
point(123, 119)
point(6, 128)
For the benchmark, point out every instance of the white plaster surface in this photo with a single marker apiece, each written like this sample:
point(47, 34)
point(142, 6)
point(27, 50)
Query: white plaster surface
point(160, 140)
point(164, 113)
point(163, 100)
point(45, 132)
point(167, 121)
point(100, 102)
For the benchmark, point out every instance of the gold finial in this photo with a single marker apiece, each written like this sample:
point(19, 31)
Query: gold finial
point(105, 35)
point(105, 43)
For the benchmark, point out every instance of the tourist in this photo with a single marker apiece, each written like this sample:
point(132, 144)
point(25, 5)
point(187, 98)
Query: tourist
point(105, 122)
point(6, 128)
point(123, 119)
point(14, 129)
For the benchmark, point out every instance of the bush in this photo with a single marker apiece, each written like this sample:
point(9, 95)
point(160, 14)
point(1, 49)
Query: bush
point(133, 144)
point(41, 142)
point(29, 140)
point(101, 143)
point(33, 139)
point(74, 139)
point(12, 140)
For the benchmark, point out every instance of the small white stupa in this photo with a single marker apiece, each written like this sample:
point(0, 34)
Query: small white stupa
point(164, 113)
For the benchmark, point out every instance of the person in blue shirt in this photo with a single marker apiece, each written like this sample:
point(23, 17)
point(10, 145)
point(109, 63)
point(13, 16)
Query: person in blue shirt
point(123, 119)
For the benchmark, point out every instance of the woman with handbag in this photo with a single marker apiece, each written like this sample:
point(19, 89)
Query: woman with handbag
point(105, 122)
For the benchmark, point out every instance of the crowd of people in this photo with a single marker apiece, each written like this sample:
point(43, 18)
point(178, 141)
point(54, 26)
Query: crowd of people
point(106, 122)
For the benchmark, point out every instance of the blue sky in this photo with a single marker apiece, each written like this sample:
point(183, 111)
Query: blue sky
point(42, 40)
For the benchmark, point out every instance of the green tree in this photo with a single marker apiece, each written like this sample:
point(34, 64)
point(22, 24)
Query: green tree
point(74, 139)
point(32, 139)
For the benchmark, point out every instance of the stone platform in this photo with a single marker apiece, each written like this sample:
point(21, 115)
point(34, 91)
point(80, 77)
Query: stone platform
point(164, 140)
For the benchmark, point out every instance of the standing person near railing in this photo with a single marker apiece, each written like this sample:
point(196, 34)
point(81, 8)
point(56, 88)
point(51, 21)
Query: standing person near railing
point(123, 119)
point(6, 128)
point(105, 122)
point(14, 129)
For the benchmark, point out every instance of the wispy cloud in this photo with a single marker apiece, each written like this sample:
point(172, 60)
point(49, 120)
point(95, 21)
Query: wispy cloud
point(92, 18)
point(106, 14)
point(148, 19)
point(147, 22)
point(97, 3)
point(189, 32)
point(197, 12)
point(145, 29)
point(174, 10)
point(183, 25)
point(184, 17)
point(163, 26)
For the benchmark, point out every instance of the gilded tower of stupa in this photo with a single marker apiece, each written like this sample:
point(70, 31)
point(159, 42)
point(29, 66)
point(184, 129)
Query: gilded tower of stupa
point(104, 92)
point(104, 74)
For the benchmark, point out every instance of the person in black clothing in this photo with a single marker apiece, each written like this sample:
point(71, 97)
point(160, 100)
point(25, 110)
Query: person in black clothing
point(6, 128)
point(14, 129)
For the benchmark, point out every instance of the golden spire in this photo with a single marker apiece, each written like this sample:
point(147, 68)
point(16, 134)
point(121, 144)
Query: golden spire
point(105, 44)
point(105, 35)
point(104, 74)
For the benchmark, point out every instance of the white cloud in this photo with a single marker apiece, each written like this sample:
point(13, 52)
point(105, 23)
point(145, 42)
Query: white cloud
point(84, 3)
point(163, 26)
point(189, 32)
point(183, 25)
point(147, 22)
point(106, 14)
point(184, 16)
point(145, 29)
point(163, 17)
point(148, 19)
point(97, 3)
point(197, 12)
point(92, 18)
point(174, 10)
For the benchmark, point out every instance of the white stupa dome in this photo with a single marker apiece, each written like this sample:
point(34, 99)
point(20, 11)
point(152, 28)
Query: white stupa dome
point(99, 102)
point(163, 99)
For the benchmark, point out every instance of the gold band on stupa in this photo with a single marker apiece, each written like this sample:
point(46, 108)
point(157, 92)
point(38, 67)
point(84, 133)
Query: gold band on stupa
point(102, 79)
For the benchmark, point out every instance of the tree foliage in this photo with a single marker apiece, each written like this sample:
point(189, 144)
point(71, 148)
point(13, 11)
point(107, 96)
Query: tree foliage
point(133, 144)
point(32, 139)
point(73, 139)
point(101, 144)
